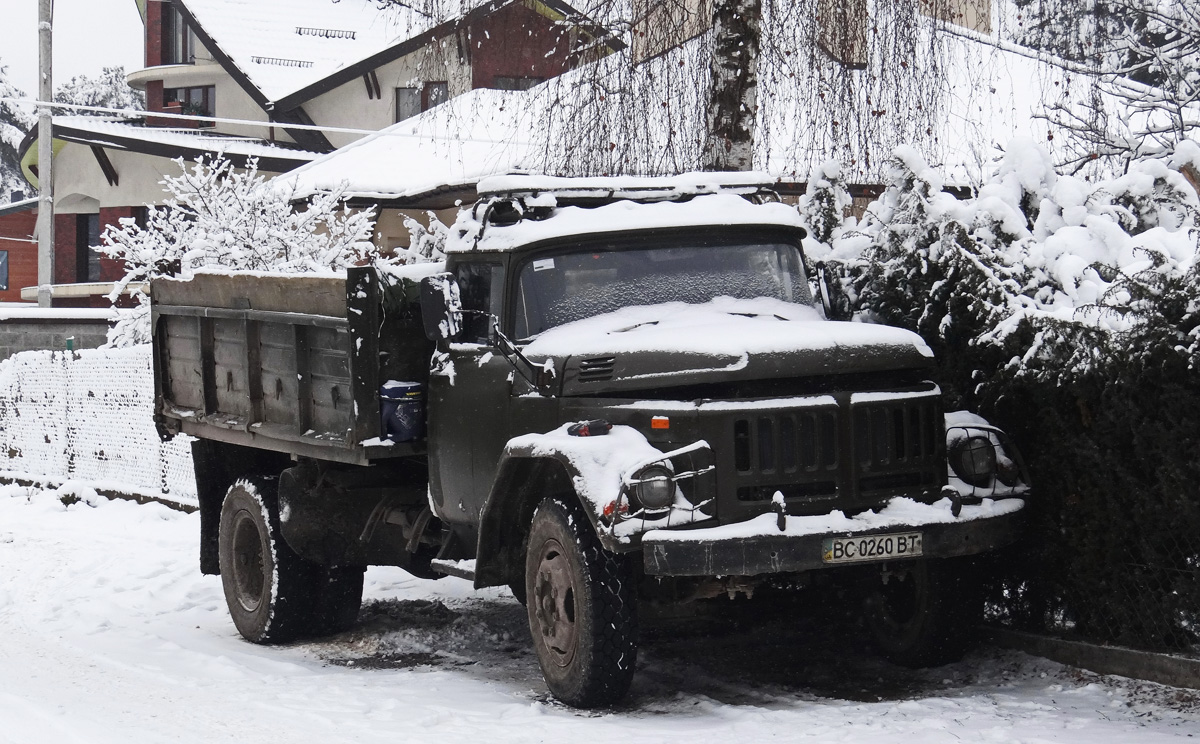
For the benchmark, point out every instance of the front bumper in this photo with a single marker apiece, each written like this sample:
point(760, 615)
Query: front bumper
point(713, 552)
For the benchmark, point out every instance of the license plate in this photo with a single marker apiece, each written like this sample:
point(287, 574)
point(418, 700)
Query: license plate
point(871, 547)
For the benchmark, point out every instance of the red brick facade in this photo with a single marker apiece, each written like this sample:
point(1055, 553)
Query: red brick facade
point(154, 13)
point(517, 42)
point(15, 232)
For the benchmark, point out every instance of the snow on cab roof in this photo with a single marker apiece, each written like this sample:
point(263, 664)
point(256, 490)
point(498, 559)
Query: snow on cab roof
point(284, 46)
point(469, 232)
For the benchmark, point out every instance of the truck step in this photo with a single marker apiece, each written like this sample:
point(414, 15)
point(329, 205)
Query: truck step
point(461, 569)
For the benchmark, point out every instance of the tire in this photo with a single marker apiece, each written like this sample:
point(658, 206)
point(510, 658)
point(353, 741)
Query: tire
point(927, 613)
point(582, 608)
point(268, 588)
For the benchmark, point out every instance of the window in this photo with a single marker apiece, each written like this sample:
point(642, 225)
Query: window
point(973, 14)
point(662, 25)
point(3, 270)
point(408, 103)
point(504, 82)
point(433, 94)
point(482, 289)
point(200, 101)
point(178, 42)
point(843, 31)
point(87, 256)
point(575, 283)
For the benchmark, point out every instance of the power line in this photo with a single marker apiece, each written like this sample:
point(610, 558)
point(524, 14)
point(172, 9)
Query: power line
point(254, 123)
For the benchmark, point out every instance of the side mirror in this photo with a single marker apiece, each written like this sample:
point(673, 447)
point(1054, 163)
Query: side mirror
point(441, 307)
point(833, 297)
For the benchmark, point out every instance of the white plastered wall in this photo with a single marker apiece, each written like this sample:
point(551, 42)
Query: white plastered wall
point(348, 105)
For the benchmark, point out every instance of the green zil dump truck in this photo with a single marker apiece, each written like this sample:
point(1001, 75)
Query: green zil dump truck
point(612, 391)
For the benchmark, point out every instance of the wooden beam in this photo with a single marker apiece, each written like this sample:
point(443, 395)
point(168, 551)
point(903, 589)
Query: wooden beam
point(106, 165)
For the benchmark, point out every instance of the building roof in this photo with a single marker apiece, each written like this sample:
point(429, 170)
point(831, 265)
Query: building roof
point(439, 155)
point(132, 135)
point(285, 46)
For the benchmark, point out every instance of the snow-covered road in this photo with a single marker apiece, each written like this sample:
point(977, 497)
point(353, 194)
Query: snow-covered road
point(108, 633)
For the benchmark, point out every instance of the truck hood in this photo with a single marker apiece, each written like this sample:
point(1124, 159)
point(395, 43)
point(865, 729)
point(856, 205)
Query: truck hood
point(675, 343)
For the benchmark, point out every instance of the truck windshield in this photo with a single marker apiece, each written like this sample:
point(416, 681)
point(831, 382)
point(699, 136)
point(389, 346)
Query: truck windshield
point(558, 288)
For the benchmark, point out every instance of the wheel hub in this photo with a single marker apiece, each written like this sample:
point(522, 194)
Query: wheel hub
point(554, 603)
point(249, 578)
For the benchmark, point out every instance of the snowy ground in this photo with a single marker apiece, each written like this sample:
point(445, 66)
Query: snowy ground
point(108, 633)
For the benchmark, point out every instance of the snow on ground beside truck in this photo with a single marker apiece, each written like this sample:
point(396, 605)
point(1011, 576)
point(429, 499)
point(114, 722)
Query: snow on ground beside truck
point(110, 635)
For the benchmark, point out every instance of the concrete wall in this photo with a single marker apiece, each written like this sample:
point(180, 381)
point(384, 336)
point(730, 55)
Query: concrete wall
point(27, 334)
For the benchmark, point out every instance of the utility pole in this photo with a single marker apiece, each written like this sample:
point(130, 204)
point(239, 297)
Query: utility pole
point(45, 217)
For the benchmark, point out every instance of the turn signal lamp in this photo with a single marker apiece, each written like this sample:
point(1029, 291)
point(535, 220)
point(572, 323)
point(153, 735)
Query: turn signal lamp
point(660, 422)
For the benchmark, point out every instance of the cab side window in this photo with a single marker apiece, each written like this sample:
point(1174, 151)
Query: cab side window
point(482, 288)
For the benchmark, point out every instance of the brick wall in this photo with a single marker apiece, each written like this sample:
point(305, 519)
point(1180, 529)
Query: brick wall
point(154, 14)
point(517, 42)
point(22, 255)
point(64, 249)
point(110, 270)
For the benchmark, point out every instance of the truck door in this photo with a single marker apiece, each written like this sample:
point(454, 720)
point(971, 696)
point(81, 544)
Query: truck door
point(469, 395)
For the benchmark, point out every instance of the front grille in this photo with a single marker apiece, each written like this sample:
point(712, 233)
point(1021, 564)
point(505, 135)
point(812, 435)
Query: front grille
point(786, 443)
point(596, 370)
point(895, 435)
point(848, 454)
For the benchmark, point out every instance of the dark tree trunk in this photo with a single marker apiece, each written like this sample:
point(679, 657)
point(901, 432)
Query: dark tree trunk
point(733, 86)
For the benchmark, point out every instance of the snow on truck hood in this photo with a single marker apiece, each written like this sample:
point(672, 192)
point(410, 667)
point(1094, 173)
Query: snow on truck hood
point(726, 331)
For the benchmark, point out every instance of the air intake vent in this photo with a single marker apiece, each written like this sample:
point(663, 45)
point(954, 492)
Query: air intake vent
point(596, 370)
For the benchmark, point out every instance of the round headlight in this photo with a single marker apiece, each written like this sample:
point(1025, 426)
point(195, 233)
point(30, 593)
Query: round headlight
point(655, 490)
point(974, 460)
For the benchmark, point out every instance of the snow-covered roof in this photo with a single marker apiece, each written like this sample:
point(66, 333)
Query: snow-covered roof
point(994, 92)
point(470, 234)
point(130, 134)
point(284, 46)
point(474, 135)
point(18, 206)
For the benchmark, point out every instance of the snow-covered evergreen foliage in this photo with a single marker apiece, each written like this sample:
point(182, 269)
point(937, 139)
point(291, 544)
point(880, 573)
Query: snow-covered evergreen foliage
point(15, 121)
point(1066, 312)
point(1043, 269)
point(106, 90)
point(219, 217)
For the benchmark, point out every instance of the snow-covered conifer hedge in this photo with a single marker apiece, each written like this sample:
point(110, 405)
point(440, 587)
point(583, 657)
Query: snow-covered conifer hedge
point(1067, 312)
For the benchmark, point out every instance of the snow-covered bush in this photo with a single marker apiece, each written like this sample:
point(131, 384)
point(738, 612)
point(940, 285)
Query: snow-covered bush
point(1068, 312)
point(219, 216)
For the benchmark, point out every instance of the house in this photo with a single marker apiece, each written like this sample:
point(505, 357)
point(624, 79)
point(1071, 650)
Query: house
point(286, 81)
point(992, 91)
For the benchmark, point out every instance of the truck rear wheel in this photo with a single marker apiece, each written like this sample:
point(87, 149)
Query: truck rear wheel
point(925, 613)
point(582, 608)
point(273, 594)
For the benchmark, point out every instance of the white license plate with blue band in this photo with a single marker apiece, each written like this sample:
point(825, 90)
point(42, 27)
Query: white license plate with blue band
point(871, 547)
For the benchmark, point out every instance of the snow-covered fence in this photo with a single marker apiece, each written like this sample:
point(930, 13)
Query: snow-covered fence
point(88, 416)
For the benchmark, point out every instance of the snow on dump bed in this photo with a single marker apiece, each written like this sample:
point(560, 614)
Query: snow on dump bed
point(723, 326)
point(468, 233)
point(900, 512)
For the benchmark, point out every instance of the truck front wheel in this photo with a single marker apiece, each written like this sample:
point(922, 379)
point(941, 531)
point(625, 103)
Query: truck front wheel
point(582, 608)
point(925, 613)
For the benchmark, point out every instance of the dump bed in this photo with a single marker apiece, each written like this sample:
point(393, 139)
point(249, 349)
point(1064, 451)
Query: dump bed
point(286, 363)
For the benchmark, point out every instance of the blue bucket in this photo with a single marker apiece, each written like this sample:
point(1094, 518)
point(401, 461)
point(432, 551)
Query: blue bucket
point(402, 410)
